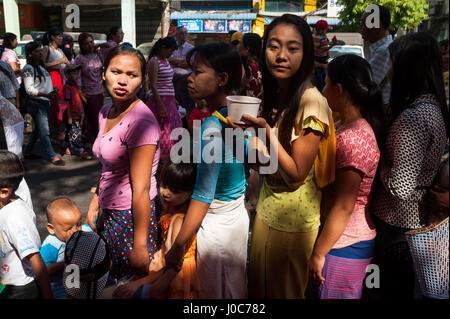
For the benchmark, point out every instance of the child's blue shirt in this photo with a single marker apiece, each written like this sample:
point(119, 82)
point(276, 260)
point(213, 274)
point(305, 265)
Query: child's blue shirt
point(52, 249)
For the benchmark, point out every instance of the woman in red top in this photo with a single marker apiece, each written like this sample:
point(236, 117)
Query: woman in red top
point(249, 49)
point(201, 112)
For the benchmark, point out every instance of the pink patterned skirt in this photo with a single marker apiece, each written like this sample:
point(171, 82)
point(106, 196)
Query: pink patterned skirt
point(171, 122)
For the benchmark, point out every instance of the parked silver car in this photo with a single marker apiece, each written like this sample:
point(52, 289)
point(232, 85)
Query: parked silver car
point(346, 49)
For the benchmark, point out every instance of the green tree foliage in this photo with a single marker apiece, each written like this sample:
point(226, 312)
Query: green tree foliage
point(404, 13)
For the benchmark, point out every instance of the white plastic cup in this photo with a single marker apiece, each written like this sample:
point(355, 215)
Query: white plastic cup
point(240, 104)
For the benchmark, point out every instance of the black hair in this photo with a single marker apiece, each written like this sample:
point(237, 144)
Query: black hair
point(178, 177)
point(113, 31)
point(3, 144)
point(354, 74)
point(8, 39)
point(385, 16)
point(122, 50)
point(416, 70)
point(11, 170)
point(443, 43)
point(52, 32)
point(168, 42)
point(222, 57)
point(68, 52)
point(181, 27)
point(253, 43)
point(81, 38)
point(29, 48)
point(297, 83)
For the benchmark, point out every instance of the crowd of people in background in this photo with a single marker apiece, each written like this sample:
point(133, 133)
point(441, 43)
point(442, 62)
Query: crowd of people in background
point(362, 152)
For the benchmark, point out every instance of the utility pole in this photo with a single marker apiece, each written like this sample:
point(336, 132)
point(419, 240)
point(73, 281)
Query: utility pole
point(128, 11)
point(11, 11)
point(165, 18)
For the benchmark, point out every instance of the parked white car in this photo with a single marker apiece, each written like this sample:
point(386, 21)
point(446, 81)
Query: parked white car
point(20, 50)
point(145, 48)
point(346, 49)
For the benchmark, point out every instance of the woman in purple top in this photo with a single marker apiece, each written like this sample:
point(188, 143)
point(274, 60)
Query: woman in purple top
point(115, 37)
point(126, 143)
point(91, 83)
point(8, 55)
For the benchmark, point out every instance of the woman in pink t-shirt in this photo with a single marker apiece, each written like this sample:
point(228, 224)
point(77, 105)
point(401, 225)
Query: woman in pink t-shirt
point(162, 93)
point(8, 54)
point(91, 84)
point(345, 246)
point(126, 143)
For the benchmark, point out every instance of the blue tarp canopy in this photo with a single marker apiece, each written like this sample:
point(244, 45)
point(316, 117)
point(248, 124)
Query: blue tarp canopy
point(212, 16)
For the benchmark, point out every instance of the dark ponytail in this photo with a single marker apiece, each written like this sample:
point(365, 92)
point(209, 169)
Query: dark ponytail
point(222, 57)
point(3, 144)
point(47, 37)
point(253, 43)
point(168, 42)
point(416, 70)
point(29, 48)
point(355, 76)
point(8, 39)
point(112, 32)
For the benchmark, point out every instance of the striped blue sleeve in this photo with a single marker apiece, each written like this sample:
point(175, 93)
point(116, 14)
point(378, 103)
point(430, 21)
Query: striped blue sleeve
point(49, 253)
point(86, 227)
point(380, 65)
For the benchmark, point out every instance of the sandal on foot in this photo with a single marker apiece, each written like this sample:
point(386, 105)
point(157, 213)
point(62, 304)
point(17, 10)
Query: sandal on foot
point(59, 162)
point(85, 156)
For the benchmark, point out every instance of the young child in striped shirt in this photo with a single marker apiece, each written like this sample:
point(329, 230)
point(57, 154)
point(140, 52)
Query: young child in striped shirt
point(321, 51)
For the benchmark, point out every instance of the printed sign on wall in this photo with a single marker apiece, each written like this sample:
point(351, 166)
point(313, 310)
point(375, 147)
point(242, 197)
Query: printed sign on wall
point(214, 26)
point(191, 25)
point(239, 25)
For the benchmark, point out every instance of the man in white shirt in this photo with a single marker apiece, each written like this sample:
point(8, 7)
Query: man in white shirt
point(182, 70)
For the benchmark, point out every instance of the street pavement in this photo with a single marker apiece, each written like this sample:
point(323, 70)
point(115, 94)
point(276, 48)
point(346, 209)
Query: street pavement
point(74, 180)
point(47, 182)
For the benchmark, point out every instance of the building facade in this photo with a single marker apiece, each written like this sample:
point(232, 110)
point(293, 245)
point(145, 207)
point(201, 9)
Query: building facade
point(97, 16)
point(214, 19)
point(437, 23)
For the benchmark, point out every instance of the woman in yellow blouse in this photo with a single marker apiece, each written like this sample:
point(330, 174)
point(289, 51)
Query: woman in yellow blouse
point(288, 210)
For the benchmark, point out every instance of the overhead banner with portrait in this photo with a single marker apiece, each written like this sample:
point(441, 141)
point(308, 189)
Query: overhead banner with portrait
point(239, 25)
point(192, 26)
point(215, 26)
